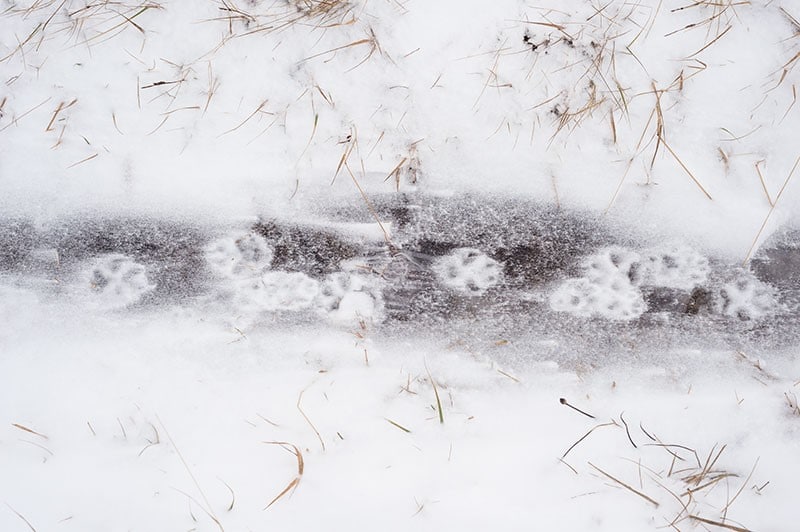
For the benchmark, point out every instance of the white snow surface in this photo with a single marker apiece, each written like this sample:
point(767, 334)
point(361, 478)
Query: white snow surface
point(674, 120)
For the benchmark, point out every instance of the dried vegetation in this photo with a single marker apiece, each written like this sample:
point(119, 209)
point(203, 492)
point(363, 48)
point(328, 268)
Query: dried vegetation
point(685, 488)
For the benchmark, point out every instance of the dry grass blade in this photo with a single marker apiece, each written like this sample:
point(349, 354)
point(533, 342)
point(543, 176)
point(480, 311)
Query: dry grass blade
point(373, 212)
point(300, 468)
point(660, 131)
point(564, 402)
point(87, 159)
point(696, 478)
point(126, 20)
point(709, 483)
point(350, 145)
point(398, 425)
point(42, 447)
point(718, 37)
point(61, 107)
point(769, 214)
point(718, 524)
point(233, 495)
point(637, 492)
point(338, 48)
point(764, 184)
point(791, 105)
point(684, 504)
point(689, 172)
point(21, 517)
point(311, 137)
point(207, 509)
point(504, 374)
point(436, 394)
point(319, 436)
point(733, 499)
point(701, 23)
point(243, 122)
point(627, 430)
point(586, 436)
point(31, 431)
point(791, 19)
point(15, 119)
point(396, 172)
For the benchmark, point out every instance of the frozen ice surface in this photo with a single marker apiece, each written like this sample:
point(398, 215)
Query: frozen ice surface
point(118, 281)
point(468, 271)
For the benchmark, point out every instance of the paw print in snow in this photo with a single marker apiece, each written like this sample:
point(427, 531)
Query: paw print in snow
point(244, 256)
point(676, 267)
point(346, 296)
point(615, 299)
point(118, 281)
point(332, 290)
point(747, 298)
point(607, 265)
point(608, 288)
point(468, 271)
point(277, 291)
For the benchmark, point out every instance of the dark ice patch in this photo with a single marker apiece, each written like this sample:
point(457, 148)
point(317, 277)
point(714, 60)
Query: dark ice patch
point(308, 249)
point(171, 252)
point(778, 261)
point(17, 241)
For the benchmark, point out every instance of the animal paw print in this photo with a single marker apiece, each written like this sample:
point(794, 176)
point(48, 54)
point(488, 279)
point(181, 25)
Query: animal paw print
point(676, 267)
point(607, 265)
point(238, 257)
point(468, 271)
point(346, 296)
point(119, 281)
point(276, 291)
point(747, 298)
point(614, 300)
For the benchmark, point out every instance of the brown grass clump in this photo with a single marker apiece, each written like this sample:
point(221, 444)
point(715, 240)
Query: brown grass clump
point(688, 480)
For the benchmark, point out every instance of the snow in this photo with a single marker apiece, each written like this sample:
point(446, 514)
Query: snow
point(420, 248)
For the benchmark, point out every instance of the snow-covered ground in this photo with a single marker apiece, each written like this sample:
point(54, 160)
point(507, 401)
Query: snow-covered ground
point(399, 265)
